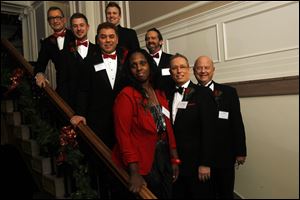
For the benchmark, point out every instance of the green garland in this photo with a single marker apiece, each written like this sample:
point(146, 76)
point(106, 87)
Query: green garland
point(48, 139)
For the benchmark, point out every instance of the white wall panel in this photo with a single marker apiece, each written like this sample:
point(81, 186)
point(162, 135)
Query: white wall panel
point(204, 41)
point(247, 40)
point(269, 31)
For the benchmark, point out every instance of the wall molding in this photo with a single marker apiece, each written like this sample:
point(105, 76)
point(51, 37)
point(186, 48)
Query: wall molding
point(267, 87)
point(262, 61)
point(248, 16)
point(214, 26)
point(170, 15)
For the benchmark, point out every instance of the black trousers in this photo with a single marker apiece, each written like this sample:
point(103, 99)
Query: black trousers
point(223, 182)
point(190, 187)
point(159, 179)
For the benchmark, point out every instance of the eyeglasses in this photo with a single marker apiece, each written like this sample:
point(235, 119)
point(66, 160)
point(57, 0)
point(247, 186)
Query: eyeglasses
point(181, 67)
point(56, 17)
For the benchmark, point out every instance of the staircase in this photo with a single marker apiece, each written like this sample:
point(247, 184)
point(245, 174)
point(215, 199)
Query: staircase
point(11, 122)
point(18, 134)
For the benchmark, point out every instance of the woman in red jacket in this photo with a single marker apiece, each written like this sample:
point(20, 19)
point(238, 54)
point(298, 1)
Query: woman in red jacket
point(145, 142)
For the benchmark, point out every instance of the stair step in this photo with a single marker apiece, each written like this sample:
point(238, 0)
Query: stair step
point(54, 185)
point(41, 164)
point(21, 132)
point(30, 147)
point(13, 118)
point(7, 106)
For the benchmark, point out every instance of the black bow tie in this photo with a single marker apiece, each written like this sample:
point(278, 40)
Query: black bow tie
point(207, 85)
point(179, 90)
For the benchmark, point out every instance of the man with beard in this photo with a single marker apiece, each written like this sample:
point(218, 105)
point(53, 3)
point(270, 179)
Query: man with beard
point(154, 42)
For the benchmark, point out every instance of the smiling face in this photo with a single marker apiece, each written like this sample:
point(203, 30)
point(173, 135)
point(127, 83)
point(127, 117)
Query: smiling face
point(204, 70)
point(153, 43)
point(139, 67)
point(80, 28)
point(180, 70)
point(56, 20)
point(108, 40)
point(113, 15)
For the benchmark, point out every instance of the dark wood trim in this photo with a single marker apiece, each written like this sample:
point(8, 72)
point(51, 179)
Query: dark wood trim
point(267, 87)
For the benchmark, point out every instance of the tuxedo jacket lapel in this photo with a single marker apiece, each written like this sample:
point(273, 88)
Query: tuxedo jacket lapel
point(102, 73)
point(119, 69)
point(69, 38)
point(186, 98)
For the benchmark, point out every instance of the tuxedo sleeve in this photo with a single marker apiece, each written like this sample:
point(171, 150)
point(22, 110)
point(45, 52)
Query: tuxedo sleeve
point(83, 90)
point(43, 58)
point(134, 40)
point(208, 114)
point(237, 126)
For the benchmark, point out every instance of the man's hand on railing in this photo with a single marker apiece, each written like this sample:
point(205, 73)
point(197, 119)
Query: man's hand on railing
point(203, 173)
point(76, 119)
point(41, 80)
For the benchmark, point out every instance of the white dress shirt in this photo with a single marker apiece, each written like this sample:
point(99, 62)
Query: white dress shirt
point(177, 99)
point(83, 50)
point(60, 42)
point(157, 59)
point(111, 69)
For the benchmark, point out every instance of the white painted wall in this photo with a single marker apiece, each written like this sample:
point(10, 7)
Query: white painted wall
point(271, 170)
point(251, 41)
point(247, 40)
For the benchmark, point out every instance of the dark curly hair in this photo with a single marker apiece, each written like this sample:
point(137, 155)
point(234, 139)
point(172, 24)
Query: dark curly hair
point(132, 81)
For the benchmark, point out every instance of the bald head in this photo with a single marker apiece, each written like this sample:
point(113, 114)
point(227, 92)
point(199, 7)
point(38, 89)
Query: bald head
point(204, 69)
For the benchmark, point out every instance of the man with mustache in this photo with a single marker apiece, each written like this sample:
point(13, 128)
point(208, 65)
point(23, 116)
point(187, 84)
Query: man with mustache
point(154, 42)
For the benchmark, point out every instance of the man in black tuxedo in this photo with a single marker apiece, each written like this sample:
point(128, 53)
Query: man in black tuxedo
point(127, 37)
point(77, 55)
point(154, 42)
point(193, 116)
point(230, 141)
point(51, 49)
point(100, 82)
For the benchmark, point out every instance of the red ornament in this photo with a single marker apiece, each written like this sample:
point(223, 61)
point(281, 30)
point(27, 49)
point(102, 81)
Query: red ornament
point(16, 79)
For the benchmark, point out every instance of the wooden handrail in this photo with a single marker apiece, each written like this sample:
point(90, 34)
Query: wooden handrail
point(90, 137)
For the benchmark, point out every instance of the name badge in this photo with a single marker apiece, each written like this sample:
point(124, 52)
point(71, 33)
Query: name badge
point(165, 72)
point(99, 67)
point(223, 115)
point(166, 112)
point(183, 104)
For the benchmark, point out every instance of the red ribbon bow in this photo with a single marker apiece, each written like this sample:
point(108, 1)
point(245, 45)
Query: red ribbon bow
point(112, 56)
point(78, 43)
point(155, 55)
point(61, 34)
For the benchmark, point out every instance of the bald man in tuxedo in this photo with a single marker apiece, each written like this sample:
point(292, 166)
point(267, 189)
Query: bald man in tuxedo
point(229, 140)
